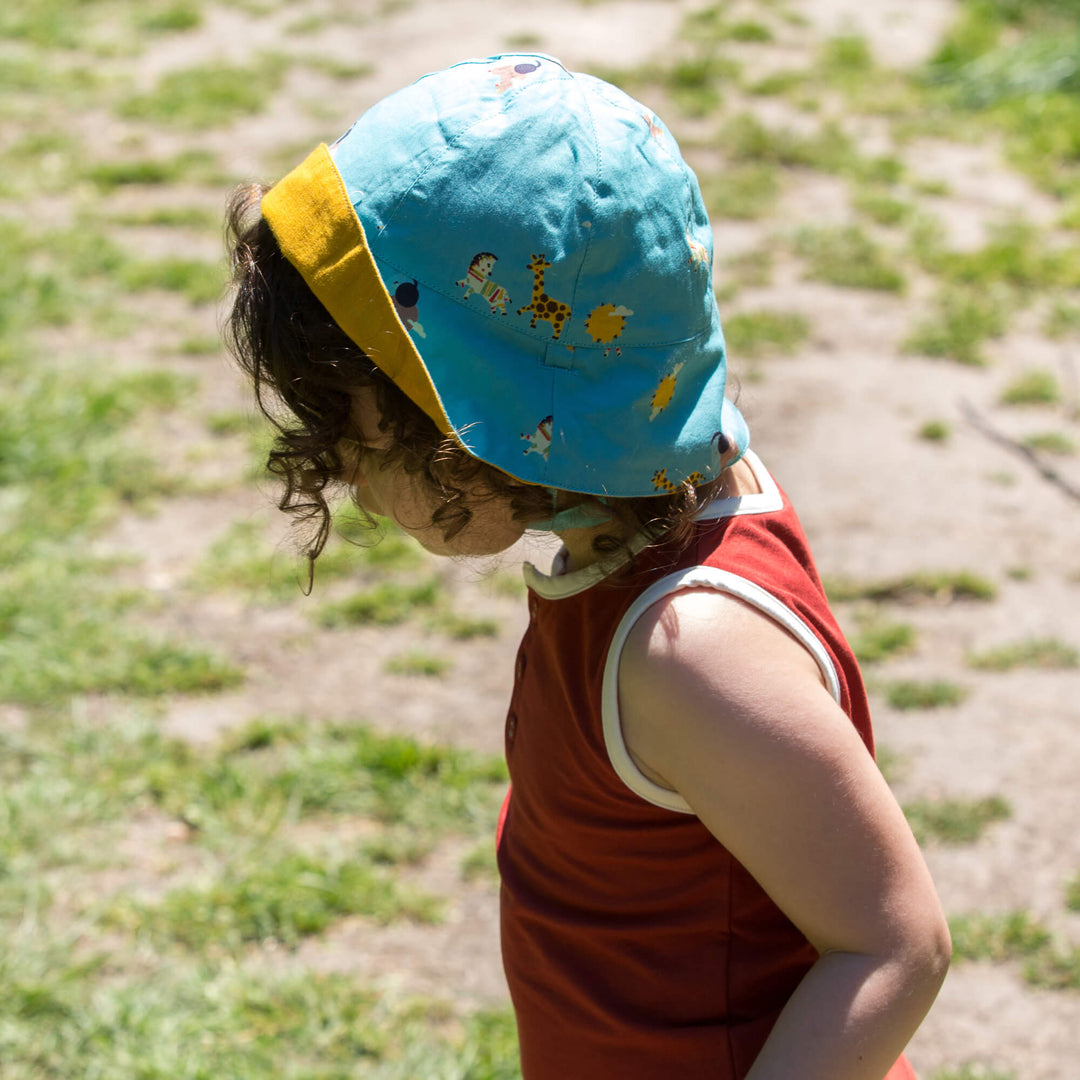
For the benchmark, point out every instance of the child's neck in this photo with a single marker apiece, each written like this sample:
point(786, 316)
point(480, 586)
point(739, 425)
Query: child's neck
point(738, 480)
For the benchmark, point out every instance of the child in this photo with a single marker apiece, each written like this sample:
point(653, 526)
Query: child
point(489, 308)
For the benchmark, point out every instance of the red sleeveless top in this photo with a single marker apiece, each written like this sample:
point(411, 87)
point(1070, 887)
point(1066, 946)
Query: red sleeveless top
point(635, 945)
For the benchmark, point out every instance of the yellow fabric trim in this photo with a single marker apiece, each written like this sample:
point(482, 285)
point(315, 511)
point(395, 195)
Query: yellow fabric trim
point(319, 233)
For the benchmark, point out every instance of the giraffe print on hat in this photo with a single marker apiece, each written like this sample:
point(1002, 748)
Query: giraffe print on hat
point(543, 306)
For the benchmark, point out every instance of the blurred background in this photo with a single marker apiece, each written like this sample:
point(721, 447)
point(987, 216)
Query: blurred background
point(248, 832)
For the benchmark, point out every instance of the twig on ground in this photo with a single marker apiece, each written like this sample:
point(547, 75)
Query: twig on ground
point(1047, 472)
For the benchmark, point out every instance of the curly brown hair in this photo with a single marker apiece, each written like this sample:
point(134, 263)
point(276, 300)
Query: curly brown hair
point(305, 371)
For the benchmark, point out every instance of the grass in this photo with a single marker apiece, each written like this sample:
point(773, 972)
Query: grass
point(955, 821)
point(208, 95)
point(935, 431)
point(198, 281)
point(1062, 321)
point(279, 896)
point(747, 269)
point(744, 191)
point(1017, 254)
point(386, 604)
point(170, 18)
point(419, 663)
point(242, 560)
point(972, 1071)
point(1044, 653)
point(745, 139)
point(877, 640)
point(997, 937)
point(907, 694)
point(846, 256)
point(1072, 893)
point(195, 166)
point(1037, 386)
point(466, 627)
point(765, 332)
point(940, 586)
point(957, 328)
point(250, 1020)
point(880, 205)
point(1051, 442)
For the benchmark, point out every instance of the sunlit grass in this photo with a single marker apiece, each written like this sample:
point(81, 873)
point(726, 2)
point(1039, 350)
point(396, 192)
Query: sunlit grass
point(208, 95)
point(419, 663)
point(940, 586)
point(385, 604)
point(197, 166)
point(846, 256)
point(765, 332)
point(1045, 653)
point(743, 191)
point(274, 896)
point(935, 431)
point(955, 821)
point(961, 321)
point(877, 639)
point(1036, 386)
point(908, 694)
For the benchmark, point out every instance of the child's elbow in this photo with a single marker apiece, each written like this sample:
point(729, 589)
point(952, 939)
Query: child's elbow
point(929, 952)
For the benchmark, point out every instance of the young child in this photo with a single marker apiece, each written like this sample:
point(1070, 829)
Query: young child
point(488, 308)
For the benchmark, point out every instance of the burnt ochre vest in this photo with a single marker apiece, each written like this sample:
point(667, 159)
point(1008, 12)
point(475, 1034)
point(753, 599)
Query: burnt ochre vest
point(635, 946)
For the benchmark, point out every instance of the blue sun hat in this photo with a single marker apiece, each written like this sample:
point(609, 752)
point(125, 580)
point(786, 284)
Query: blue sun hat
point(523, 251)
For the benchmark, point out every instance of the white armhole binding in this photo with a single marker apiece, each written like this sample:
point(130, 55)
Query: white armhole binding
point(694, 578)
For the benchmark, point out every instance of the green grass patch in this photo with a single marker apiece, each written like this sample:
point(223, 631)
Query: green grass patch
point(765, 332)
point(748, 269)
point(846, 256)
point(196, 166)
point(170, 217)
point(907, 694)
point(481, 863)
point(278, 896)
point(972, 1071)
point(955, 821)
point(1037, 386)
point(179, 1019)
point(386, 604)
point(169, 18)
point(200, 282)
point(1051, 442)
point(1045, 653)
point(742, 191)
point(466, 627)
point(935, 431)
point(1072, 893)
point(779, 84)
point(52, 648)
point(997, 937)
point(960, 323)
point(877, 640)
point(881, 206)
point(1016, 254)
point(745, 139)
point(417, 662)
point(243, 560)
point(208, 95)
point(941, 586)
point(1062, 321)
point(338, 69)
point(269, 769)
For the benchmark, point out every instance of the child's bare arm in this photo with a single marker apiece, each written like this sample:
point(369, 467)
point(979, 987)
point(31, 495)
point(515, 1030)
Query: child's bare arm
point(722, 705)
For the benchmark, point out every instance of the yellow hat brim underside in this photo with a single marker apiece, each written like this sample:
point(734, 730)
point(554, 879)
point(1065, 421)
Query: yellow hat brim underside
point(319, 233)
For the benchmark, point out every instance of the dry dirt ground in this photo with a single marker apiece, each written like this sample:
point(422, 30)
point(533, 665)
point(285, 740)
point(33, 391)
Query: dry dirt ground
point(836, 423)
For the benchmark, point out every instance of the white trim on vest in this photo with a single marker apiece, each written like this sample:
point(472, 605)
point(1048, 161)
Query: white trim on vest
point(695, 577)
